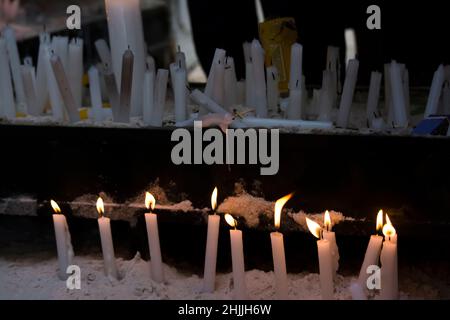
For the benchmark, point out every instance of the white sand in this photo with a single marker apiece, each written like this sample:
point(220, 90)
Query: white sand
point(30, 279)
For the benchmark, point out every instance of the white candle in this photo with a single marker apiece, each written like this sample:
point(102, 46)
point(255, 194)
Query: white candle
point(214, 84)
point(250, 122)
point(325, 261)
point(7, 103)
point(230, 85)
point(295, 110)
point(104, 226)
point(64, 89)
point(160, 98)
point(63, 241)
point(103, 51)
point(374, 95)
point(249, 76)
point(279, 259)
point(273, 92)
point(126, 86)
point(331, 237)
point(180, 94)
point(60, 47)
point(334, 66)
point(206, 102)
point(41, 72)
point(237, 258)
point(398, 98)
point(75, 69)
point(351, 48)
point(209, 275)
point(149, 95)
point(29, 82)
point(326, 96)
point(372, 253)
point(296, 69)
point(151, 220)
point(96, 96)
point(388, 259)
point(126, 31)
point(435, 92)
point(259, 79)
point(14, 61)
point(347, 93)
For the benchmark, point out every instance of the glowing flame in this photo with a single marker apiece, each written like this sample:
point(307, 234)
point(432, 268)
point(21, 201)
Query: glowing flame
point(55, 206)
point(230, 220)
point(214, 199)
point(100, 207)
point(327, 221)
point(313, 227)
point(380, 220)
point(150, 201)
point(388, 221)
point(279, 207)
point(388, 229)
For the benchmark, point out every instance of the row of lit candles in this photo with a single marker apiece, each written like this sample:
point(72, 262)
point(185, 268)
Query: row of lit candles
point(328, 253)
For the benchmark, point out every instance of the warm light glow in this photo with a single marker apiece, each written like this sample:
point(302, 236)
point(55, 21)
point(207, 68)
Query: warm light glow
point(327, 221)
point(150, 201)
point(313, 227)
point(214, 199)
point(230, 220)
point(380, 220)
point(100, 207)
point(55, 206)
point(279, 207)
point(388, 229)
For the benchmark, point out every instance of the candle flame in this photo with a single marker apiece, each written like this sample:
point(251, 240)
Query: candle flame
point(327, 221)
point(388, 229)
point(380, 220)
point(279, 204)
point(150, 201)
point(230, 220)
point(214, 199)
point(313, 227)
point(55, 206)
point(100, 207)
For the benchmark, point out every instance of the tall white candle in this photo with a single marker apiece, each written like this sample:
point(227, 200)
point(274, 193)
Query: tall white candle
point(180, 94)
point(63, 241)
point(103, 51)
point(331, 237)
point(209, 275)
point(326, 96)
point(398, 98)
point(435, 92)
point(126, 86)
point(296, 68)
point(96, 96)
point(149, 95)
point(14, 62)
point(325, 261)
point(279, 259)
point(230, 85)
point(295, 106)
point(104, 226)
point(273, 92)
point(7, 102)
point(29, 82)
point(75, 69)
point(351, 48)
point(151, 220)
point(347, 93)
point(389, 267)
point(56, 101)
point(374, 95)
point(126, 31)
point(162, 77)
point(41, 72)
point(215, 81)
point(237, 258)
point(259, 79)
point(60, 47)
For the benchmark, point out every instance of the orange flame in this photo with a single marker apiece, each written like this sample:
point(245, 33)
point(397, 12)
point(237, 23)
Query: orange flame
point(380, 220)
point(388, 229)
point(55, 206)
point(230, 220)
point(279, 207)
point(327, 221)
point(313, 227)
point(100, 207)
point(214, 199)
point(150, 201)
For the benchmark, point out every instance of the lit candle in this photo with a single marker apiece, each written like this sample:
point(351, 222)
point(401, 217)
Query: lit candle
point(64, 89)
point(325, 261)
point(149, 94)
point(398, 98)
point(63, 241)
point(151, 220)
point(126, 85)
point(113, 93)
point(230, 85)
point(162, 77)
point(126, 31)
point(279, 259)
point(374, 95)
point(104, 226)
point(96, 96)
point(237, 258)
point(435, 92)
point(273, 92)
point(347, 93)
point(7, 103)
point(75, 69)
point(331, 237)
point(388, 259)
point(209, 275)
point(259, 79)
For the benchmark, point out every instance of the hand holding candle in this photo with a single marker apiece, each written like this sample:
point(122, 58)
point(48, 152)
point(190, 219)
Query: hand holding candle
point(63, 241)
point(151, 221)
point(209, 276)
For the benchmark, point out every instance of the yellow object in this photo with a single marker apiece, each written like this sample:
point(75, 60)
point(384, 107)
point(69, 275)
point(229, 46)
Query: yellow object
point(21, 115)
point(85, 80)
point(84, 113)
point(277, 36)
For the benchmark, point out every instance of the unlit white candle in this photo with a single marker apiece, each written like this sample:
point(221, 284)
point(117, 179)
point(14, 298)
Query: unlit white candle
point(29, 82)
point(398, 98)
point(209, 275)
point(7, 103)
point(279, 264)
point(56, 100)
point(75, 69)
point(60, 47)
point(273, 92)
point(41, 72)
point(63, 244)
point(180, 93)
point(251, 122)
point(149, 96)
point(295, 106)
point(435, 92)
point(160, 98)
point(326, 96)
point(347, 93)
point(214, 84)
point(156, 265)
point(109, 259)
point(96, 96)
point(230, 85)
point(103, 51)
point(206, 102)
point(237, 257)
point(351, 49)
point(296, 69)
point(326, 269)
point(374, 95)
